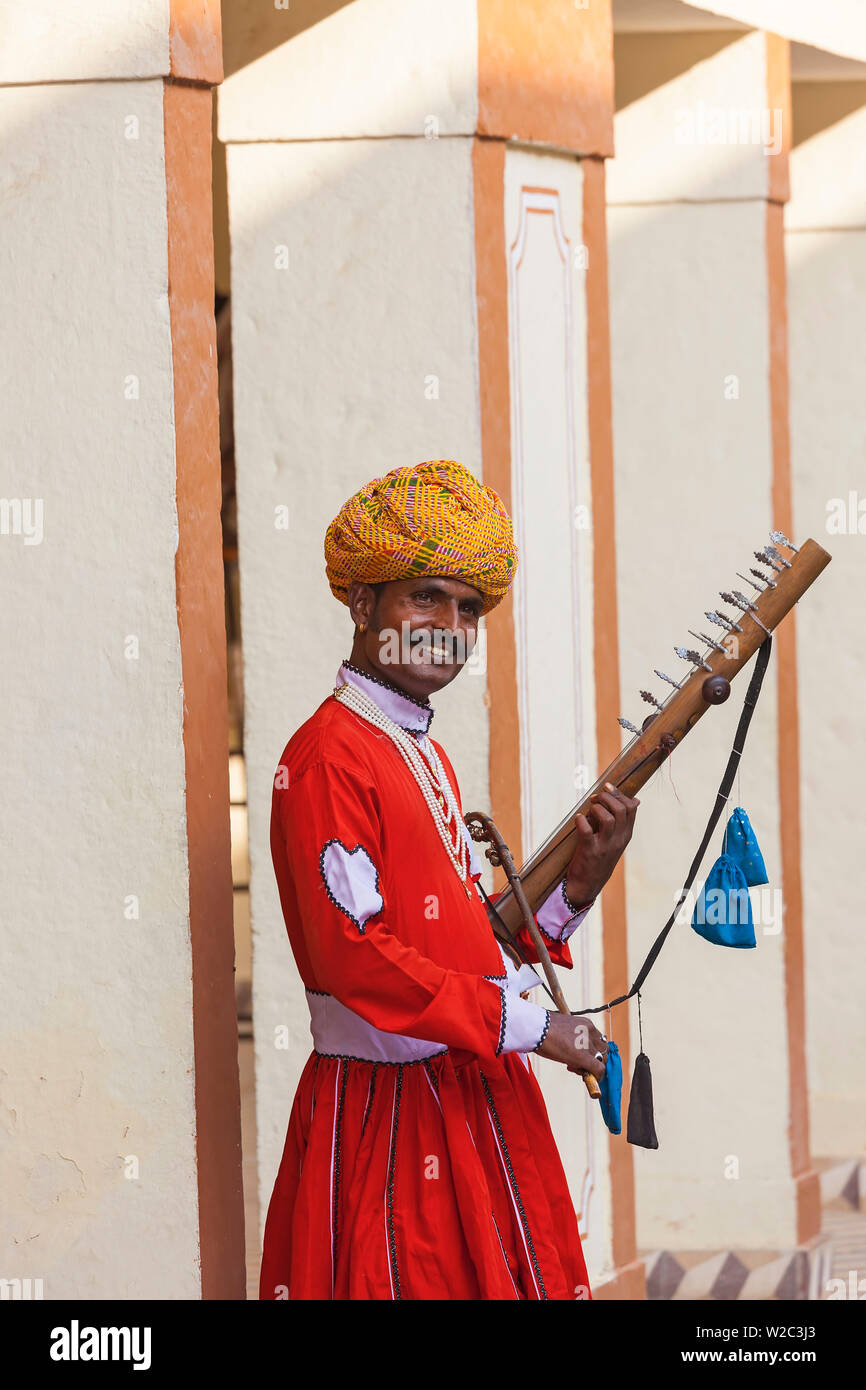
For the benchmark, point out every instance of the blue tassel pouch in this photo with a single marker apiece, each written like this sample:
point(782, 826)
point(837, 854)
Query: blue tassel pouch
point(611, 1090)
point(723, 912)
point(741, 846)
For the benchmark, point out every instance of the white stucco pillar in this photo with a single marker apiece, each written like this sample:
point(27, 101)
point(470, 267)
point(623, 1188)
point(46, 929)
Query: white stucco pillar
point(702, 474)
point(119, 1142)
point(418, 271)
point(826, 256)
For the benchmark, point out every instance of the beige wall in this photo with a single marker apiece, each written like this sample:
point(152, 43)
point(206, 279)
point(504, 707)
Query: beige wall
point(826, 254)
point(690, 312)
point(97, 1030)
point(372, 68)
point(56, 42)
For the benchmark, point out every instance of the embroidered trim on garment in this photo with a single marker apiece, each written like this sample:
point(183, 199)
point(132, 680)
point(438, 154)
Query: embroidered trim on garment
point(371, 1091)
point(544, 1032)
point(566, 930)
point(574, 910)
point(425, 705)
point(506, 1158)
point(338, 1156)
point(434, 1079)
point(342, 906)
point(503, 1022)
point(345, 1057)
point(555, 939)
point(389, 1196)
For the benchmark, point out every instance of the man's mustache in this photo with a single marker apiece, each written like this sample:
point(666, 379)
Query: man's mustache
point(449, 646)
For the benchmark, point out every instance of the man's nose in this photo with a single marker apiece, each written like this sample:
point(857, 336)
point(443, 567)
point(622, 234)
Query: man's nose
point(450, 616)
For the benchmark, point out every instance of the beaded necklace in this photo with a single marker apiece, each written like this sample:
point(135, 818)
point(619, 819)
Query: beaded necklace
point(432, 784)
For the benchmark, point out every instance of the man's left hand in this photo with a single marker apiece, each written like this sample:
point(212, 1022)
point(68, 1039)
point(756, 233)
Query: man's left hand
point(602, 835)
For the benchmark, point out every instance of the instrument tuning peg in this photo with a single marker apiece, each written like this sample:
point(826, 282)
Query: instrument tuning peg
point(686, 654)
point(747, 580)
point(770, 583)
point(766, 558)
point(722, 621)
point(710, 641)
point(650, 698)
point(774, 555)
point(780, 538)
point(740, 601)
point(670, 680)
point(626, 725)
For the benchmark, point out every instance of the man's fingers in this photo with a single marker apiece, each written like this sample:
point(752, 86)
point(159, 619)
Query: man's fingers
point(605, 822)
point(630, 803)
point(585, 1061)
point(617, 810)
point(616, 804)
point(623, 808)
point(583, 826)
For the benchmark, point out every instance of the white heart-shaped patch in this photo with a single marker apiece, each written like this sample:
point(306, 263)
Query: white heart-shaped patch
point(351, 881)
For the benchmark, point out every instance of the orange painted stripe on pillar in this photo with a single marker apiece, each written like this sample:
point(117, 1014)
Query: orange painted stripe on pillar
point(195, 40)
point(491, 288)
point(545, 73)
point(606, 663)
point(785, 644)
point(778, 61)
point(201, 620)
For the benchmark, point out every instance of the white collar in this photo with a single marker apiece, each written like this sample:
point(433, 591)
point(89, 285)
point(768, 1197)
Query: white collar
point(409, 713)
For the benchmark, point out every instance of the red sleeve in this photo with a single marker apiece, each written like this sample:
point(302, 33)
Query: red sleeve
point(557, 950)
point(330, 826)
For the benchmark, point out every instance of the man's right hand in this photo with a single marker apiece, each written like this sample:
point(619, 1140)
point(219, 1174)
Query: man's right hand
point(575, 1041)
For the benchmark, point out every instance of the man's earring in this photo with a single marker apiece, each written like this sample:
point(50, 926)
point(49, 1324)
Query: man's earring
point(363, 627)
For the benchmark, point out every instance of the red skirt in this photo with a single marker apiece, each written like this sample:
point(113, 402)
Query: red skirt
point(420, 1180)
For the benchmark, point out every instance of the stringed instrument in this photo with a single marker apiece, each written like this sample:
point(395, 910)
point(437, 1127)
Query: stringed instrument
point(776, 586)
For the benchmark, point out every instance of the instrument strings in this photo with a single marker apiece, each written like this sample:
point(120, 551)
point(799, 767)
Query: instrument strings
point(546, 848)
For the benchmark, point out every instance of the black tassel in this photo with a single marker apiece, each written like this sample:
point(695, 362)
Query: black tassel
point(641, 1128)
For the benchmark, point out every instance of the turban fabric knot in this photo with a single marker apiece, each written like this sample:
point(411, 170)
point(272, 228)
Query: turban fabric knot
point(431, 519)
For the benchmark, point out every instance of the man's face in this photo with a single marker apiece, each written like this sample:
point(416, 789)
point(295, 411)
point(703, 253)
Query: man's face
point(420, 632)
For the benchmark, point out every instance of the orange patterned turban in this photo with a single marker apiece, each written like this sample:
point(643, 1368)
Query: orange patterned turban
point(435, 518)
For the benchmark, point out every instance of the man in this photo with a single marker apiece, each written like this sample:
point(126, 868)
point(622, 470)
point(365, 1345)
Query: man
point(419, 1161)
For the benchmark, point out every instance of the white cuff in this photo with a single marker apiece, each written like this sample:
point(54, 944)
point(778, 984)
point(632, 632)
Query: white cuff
point(517, 978)
point(556, 917)
point(524, 1025)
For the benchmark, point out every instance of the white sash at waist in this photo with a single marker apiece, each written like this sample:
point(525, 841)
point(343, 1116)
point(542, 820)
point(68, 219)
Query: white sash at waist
point(339, 1032)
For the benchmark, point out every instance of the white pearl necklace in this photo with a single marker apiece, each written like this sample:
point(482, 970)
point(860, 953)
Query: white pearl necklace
point(433, 785)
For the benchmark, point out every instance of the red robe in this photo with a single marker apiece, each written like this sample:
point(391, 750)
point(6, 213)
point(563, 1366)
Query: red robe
point(419, 1161)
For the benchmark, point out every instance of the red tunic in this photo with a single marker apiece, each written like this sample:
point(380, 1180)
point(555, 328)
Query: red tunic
point(419, 1161)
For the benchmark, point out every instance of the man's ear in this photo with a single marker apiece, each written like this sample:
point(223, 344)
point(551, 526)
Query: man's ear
point(362, 603)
